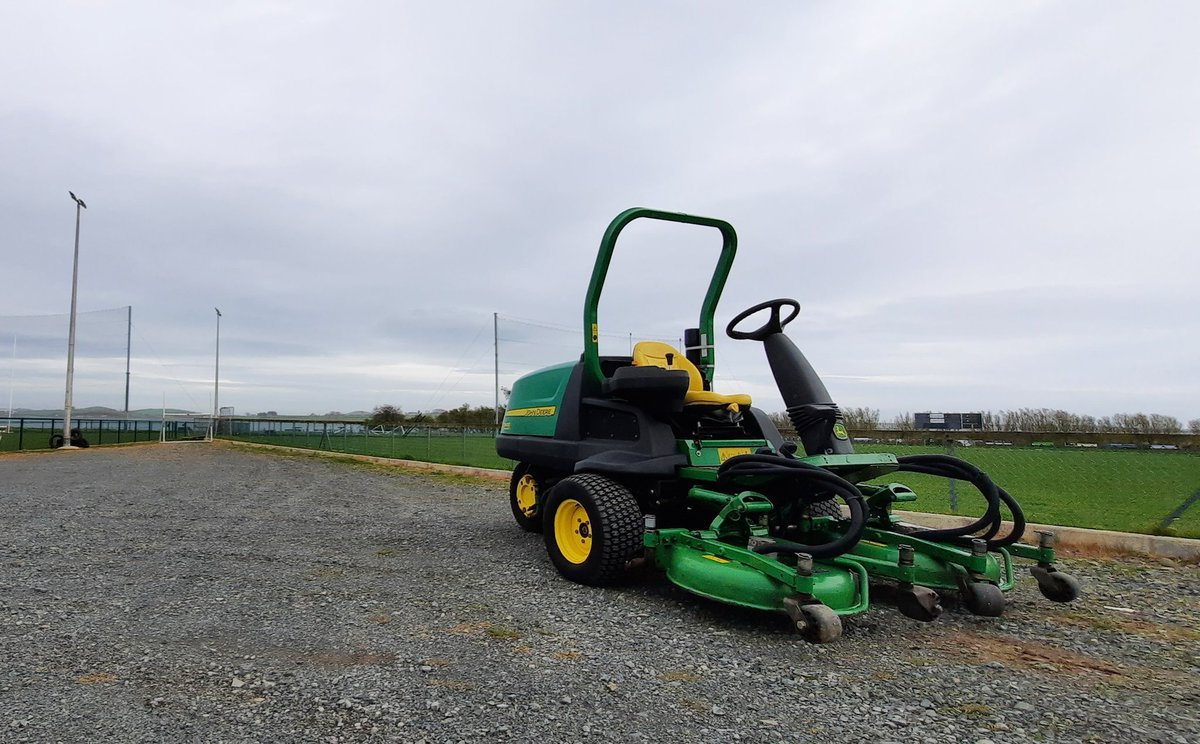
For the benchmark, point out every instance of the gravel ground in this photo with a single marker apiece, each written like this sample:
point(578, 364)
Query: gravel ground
point(206, 593)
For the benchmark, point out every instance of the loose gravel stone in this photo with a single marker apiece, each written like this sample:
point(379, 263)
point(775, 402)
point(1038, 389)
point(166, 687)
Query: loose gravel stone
point(201, 592)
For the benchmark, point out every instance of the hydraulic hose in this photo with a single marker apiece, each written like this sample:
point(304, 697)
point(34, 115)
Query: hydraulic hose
point(1018, 520)
point(951, 467)
point(783, 467)
point(989, 524)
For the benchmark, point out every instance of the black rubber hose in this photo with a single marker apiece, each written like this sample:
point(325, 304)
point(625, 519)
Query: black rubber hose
point(774, 465)
point(1018, 520)
point(945, 466)
point(952, 467)
point(844, 544)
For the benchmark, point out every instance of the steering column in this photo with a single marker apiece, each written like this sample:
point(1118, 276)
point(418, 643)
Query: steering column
point(816, 418)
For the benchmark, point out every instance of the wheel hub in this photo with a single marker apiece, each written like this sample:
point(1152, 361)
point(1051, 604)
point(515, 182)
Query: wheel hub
point(527, 492)
point(573, 531)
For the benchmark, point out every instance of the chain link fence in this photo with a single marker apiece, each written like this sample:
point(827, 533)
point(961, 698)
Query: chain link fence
point(1113, 487)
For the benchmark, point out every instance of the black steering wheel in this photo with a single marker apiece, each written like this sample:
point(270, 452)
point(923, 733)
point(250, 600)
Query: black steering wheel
point(774, 325)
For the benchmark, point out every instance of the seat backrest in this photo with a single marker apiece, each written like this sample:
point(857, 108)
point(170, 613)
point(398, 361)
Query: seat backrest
point(659, 354)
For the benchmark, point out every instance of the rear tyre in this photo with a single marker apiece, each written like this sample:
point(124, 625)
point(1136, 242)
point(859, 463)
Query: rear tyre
point(592, 528)
point(826, 508)
point(525, 497)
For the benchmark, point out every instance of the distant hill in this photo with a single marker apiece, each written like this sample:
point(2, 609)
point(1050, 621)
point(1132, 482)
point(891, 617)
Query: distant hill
point(94, 412)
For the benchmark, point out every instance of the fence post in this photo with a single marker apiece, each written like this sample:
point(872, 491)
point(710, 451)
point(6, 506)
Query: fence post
point(21, 435)
point(953, 483)
point(464, 443)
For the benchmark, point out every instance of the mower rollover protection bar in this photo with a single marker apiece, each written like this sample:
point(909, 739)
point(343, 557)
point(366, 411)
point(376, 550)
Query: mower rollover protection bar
point(591, 329)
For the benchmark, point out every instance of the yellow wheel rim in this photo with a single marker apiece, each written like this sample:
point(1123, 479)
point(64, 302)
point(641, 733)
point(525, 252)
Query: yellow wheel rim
point(527, 491)
point(573, 531)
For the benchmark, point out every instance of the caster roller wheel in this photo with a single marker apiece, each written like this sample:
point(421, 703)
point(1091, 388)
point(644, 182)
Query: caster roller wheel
point(920, 603)
point(1056, 586)
point(983, 599)
point(819, 624)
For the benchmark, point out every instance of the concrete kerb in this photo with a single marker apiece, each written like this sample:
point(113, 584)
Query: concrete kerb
point(1105, 542)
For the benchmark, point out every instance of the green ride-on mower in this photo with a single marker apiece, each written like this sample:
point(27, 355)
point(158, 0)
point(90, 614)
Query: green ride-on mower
point(624, 457)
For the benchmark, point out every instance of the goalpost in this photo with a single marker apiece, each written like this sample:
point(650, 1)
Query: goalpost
point(185, 427)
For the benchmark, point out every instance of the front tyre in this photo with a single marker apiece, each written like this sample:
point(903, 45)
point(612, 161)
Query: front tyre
point(593, 528)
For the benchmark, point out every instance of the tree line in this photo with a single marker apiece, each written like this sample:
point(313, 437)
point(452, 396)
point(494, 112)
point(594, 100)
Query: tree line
point(465, 415)
point(1035, 419)
point(865, 418)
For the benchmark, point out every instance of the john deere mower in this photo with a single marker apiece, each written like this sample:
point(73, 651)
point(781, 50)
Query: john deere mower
point(621, 458)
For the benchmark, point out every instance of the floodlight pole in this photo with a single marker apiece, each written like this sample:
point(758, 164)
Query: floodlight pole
point(496, 351)
point(217, 371)
point(128, 339)
point(79, 207)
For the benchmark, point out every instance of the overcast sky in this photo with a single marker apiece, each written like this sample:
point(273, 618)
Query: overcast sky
point(978, 205)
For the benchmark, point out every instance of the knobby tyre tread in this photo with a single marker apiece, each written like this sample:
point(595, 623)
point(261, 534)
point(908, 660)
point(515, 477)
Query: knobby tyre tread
point(826, 508)
point(617, 525)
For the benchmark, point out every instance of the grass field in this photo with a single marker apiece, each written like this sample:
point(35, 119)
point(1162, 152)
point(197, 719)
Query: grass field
point(446, 446)
point(1126, 490)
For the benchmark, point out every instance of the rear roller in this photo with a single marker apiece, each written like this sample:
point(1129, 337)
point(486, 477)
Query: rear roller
point(815, 621)
point(1056, 586)
point(983, 599)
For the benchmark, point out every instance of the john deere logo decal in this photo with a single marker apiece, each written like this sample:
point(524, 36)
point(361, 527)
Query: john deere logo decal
point(538, 411)
point(839, 431)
